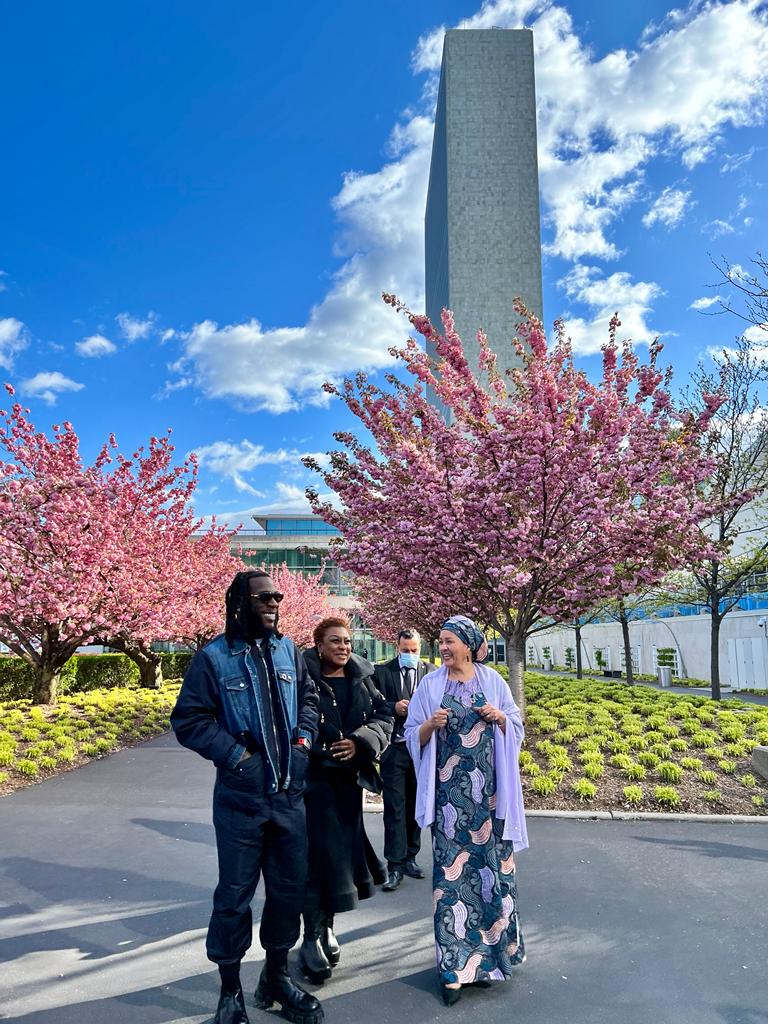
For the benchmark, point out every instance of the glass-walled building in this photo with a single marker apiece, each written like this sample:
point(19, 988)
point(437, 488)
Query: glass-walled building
point(302, 542)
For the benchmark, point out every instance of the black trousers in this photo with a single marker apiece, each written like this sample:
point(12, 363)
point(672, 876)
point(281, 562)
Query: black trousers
point(402, 835)
point(267, 835)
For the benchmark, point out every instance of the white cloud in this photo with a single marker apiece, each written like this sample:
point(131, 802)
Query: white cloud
point(381, 237)
point(292, 499)
point(95, 346)
point(605, 296)
point(733, 161)
point(235, 460)
point(133, 329)
point(668, 208)
point(705, 302)
point(601, 121)
point(717, 228)
point(12, 340)
point(48, 385)
point(757, 333)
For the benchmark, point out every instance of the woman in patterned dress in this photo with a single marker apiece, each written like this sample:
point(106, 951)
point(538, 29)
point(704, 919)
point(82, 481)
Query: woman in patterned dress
point(464, 733)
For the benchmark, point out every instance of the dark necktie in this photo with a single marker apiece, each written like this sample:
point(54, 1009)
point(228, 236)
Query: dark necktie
point(407, 683)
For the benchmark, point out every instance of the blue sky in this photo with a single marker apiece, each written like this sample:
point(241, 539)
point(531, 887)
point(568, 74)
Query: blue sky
point(201, 205)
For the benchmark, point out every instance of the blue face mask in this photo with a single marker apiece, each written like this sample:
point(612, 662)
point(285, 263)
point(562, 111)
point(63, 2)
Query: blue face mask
point(408, 660)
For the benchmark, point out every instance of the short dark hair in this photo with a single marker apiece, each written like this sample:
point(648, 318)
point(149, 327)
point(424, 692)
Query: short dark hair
point(330, 622)
point(408, 634)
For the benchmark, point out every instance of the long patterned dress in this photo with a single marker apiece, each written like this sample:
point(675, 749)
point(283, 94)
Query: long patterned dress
point(477, 931)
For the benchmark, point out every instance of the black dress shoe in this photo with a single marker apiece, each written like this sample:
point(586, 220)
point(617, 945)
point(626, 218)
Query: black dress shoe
point(412, 869)
point(394, 878)
point(231, 1008)
point(450, 995)
point(296, 1005)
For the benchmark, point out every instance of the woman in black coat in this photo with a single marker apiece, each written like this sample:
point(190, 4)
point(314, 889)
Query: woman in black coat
point(354, 732)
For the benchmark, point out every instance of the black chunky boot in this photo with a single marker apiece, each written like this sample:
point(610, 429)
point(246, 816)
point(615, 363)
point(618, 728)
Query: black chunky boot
point(275, 986)
point(330, 943)
point(312, 959)
point(231, 1008)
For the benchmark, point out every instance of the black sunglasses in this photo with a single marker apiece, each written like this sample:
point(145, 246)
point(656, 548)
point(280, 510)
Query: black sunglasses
point(268, 595)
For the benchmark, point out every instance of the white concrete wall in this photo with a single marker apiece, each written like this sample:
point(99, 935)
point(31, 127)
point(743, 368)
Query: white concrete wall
point(740, 638)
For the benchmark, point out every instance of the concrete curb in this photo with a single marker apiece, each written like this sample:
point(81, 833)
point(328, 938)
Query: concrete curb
point(585, 815)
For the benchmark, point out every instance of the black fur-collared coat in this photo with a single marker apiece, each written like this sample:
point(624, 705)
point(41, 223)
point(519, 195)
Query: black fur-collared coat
point(343, 867)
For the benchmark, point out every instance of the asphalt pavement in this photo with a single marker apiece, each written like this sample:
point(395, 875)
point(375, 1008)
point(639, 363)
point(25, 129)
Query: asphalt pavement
point(106, 875)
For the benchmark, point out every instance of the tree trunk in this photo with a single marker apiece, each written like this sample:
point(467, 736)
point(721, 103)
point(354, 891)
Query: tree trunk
point(579, 664)
point(714, 653)
point(46, 685)
point(515, 647)
point(627, 645)
point(149, 661)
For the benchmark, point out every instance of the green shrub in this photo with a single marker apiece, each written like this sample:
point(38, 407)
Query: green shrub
point(691, 763)
point(594, 769)
point(668, 771)
point(667, 795)
point(633, 794)
point(648, 759)
point(707, 776)
point(529, 768)
point(27, 767)
point(544, 785)
point(713, 795)
point(678, 745)
point(758, 800)
point(584, 789)
point(729, 767)
point(748, 779)
point(635, 772)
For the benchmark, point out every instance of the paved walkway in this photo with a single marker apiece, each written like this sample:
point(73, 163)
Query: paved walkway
point(106, 876)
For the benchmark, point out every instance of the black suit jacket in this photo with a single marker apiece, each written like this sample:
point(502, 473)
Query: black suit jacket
point(389, 681)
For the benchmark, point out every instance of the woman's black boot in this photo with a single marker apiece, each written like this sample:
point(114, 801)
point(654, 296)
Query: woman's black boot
point(330, 943)
point(276, 986)
point(312, 959)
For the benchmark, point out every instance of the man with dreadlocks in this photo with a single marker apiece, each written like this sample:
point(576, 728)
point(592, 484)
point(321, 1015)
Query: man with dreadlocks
point(248, 704)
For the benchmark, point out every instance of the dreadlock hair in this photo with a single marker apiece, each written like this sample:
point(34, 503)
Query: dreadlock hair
point(236, 602)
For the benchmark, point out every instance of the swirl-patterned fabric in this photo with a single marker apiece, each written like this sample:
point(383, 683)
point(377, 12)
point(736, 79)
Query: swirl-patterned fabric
point(477, 929)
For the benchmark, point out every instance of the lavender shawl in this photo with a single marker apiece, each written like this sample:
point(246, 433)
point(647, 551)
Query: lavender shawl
point(509, 792)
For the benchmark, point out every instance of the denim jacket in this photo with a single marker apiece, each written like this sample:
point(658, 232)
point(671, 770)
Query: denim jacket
point(220, 699)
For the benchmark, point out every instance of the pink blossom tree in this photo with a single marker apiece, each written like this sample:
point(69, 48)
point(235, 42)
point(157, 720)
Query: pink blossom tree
point(58, 543)
point(208, 568)
point(537, 496)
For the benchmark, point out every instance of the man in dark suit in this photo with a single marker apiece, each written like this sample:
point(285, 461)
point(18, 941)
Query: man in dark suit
point(397, 679)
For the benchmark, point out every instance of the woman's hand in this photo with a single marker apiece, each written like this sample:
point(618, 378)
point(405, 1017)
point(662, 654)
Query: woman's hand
point(437, 720)
point(492, 715)
point(343, 750)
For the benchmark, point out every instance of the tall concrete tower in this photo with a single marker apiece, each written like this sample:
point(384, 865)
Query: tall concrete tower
point(483, 237)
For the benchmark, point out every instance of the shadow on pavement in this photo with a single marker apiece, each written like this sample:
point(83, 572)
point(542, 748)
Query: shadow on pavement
point(192, 832)
point(709, 849)
point(192, 998)
point(116, 897)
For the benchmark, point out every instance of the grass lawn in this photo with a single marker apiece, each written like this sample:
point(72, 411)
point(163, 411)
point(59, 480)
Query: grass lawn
point(606, 745)
point(38, 742)
point(590, 744)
